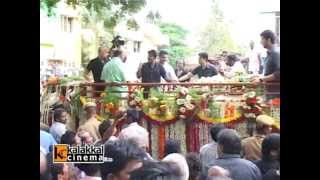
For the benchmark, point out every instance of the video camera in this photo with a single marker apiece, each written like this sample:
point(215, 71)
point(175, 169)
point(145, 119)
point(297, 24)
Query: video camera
point(117, 42)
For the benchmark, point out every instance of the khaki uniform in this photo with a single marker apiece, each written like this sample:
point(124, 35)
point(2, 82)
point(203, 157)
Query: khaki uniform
point(92, 126)
point(251, 147)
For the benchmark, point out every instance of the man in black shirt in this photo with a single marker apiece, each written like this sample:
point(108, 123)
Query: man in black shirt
point(205, 69)
point(271, 69)
point(96, 66)
point(151, 72)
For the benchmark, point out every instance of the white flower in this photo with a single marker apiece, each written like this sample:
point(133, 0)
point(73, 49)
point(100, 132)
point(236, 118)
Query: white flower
point(181, 101)
point(252, 94)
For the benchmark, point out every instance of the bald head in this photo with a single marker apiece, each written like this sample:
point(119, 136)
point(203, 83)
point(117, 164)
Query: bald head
point(103, 52)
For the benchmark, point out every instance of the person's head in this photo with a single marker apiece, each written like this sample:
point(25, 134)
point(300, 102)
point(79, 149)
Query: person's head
point(70, 138)
point(120, 54)
point(180, 64)
point(194, 164)
point(89, 169)
point(251, 45)
point(154, 170)
point(231, 59)
point(172, 146)
point(59, 171)
point(264, 124)
point(229, 142)
point(163, 56)
point(90, 109)
point(103, 52)
point(214, 131)
point(60, 115)
point(152, 56)
point(125, 157)
point(85, 137)
point(268, 38)
point(106, 128)
point(203, 58)
point(180, 160)
point(217, 171)
point(270, 147)
point(136, 133)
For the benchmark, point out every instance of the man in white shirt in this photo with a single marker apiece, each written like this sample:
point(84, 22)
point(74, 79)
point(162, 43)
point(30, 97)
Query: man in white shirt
point(58, 127)
point(254, 59)
point(163, 60)
point(233, 67)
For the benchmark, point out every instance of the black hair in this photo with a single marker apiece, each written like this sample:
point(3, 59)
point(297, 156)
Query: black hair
point(68, 138)
point(106, 124)
point(268, 34)
point(194, 164)
point(230, 141)
point(204, 55)
point(58, 113)
point(172, 146)
point(269, 143)
point(54, 168)
point(152, 53)
point(117, 53)
point(122, 152)
point(232, 57)
point(155, 170)
point(163, 52)
point(214, 131)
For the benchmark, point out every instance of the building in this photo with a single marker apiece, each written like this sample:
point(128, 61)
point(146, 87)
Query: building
point(60, 41)
point(139, 42)
point(270, 16)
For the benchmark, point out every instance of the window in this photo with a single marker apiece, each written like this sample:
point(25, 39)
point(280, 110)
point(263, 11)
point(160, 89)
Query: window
point(67, 24)
point(136, 46)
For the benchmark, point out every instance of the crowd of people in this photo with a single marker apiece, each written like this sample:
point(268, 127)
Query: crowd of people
point(226, 157)
point(109, 66)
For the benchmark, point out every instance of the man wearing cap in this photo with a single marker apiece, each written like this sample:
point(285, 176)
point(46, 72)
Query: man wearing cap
point(92, 124)
point(251, 146)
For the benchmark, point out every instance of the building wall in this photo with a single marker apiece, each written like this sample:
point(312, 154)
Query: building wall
point(57, 41)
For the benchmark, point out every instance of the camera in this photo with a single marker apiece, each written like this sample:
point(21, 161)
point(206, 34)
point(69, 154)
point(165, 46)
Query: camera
point(117, 42)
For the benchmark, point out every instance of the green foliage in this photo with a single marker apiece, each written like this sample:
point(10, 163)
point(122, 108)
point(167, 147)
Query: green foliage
point(177, 35)
point(48, 6)
point(110, 12)
point(216, 36)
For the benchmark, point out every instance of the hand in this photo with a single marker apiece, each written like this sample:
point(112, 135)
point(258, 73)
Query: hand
point(256, 81)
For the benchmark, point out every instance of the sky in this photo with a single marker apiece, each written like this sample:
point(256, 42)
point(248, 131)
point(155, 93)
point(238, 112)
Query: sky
point(243, 16)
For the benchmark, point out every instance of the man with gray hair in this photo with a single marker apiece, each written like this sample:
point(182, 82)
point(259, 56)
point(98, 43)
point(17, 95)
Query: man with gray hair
point(137, 134)
point(229, 148)
point(181, 161)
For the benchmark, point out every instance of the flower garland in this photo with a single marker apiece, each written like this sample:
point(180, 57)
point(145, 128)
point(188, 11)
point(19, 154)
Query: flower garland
point(154, 132)
point(161, 141)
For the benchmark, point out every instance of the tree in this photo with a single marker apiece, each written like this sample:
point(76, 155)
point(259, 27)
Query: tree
point(110, 12)
point(101, 16)
point(177, 35)
point(216, 36)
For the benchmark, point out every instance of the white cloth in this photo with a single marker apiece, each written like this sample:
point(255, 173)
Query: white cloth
point(57, 129)
point(254, 64)
point(171, 75)
point(236, 68)
point(91, 178)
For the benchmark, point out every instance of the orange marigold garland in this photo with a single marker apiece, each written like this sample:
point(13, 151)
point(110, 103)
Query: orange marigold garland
point(161, 134)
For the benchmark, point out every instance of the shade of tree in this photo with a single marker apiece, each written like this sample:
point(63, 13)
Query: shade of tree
point(177, 48)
